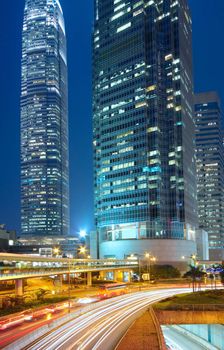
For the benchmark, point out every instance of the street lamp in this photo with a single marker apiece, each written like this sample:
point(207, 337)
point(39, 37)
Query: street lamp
point(82, 250)
point(56, 251)
point(82, 233)
point(149, 258)
point(69, 287)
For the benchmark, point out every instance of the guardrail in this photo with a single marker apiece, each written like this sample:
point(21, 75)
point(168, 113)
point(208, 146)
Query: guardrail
point(67, 266)
point(69, 261)
point(161, 340)
point(195, 338)
point(195, 307)
point(50, 271)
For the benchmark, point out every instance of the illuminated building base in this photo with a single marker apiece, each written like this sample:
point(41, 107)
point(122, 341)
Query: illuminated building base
point(165, 250)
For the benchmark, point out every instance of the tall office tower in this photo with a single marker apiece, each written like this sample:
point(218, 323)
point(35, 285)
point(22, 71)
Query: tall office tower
point(145, 187)
point(44, 122)
point(210, 170)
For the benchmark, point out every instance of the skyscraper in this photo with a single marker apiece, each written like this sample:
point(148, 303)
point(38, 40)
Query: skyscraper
point(210, 170)
point(144, 161)
point(44, 122)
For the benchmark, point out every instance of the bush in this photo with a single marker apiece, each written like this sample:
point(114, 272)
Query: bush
point(164, 272)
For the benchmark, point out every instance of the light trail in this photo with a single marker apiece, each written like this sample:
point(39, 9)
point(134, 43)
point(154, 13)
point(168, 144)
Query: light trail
point(98, 329)
point(84, 320)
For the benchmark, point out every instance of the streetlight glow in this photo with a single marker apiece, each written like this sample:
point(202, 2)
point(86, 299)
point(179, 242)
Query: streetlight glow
point(82, 233)
point(82, 250)
point(56, 251)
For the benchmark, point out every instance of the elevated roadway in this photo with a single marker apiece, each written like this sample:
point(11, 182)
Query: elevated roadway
point(16, 266)
point(19, 267)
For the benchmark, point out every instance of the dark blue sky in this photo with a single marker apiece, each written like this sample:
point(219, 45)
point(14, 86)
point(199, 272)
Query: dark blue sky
point(208, 19)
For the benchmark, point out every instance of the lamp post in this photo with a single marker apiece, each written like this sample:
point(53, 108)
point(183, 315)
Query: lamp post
point(83, 250)
point(147, 255)
point(69, 287)
point(193, 264)
point(56, 251)
point(150, 258)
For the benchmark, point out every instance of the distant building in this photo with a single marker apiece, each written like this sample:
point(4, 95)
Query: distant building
point(94, 246)
point(210, 170)
point(144, 152)
point(7, 238)
point(61, 246)
point(44, 122)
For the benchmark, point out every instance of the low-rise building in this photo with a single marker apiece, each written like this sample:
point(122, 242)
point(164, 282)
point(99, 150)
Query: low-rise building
point(7, 238)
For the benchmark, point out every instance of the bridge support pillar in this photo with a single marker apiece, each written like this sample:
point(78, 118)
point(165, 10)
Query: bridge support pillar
point(115, 275)
point(118, 276)
point(19, 285)
point(89, 279)
point(102, 275)
point(58, 283)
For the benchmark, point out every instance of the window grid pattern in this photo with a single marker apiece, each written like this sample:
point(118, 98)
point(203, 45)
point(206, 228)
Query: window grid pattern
point(144, 161)
point(44, 121)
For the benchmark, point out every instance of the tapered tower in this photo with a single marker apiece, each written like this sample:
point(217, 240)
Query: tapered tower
point(44, 122)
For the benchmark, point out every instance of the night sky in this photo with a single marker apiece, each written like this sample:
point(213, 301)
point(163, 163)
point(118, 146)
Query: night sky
point(208, 41)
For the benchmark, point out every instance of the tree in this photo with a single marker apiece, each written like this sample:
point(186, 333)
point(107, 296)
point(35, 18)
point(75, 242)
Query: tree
point(40, 293)
point(195, 273)
point(164, 272)
point(221, 273)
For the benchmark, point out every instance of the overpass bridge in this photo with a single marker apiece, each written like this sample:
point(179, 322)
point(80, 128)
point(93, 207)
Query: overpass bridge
point(19, 267)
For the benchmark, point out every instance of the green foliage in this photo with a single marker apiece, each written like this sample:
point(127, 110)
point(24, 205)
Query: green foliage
point(222, 275)
point(41, 293)
point(164, 272)
point(195, 272)
point(206, 297)
point(21, 306)
point(14, 301)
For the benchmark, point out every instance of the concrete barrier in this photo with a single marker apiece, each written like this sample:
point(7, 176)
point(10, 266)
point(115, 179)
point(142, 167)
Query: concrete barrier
point(198, 340)
point(161, 340)
point(167, 317)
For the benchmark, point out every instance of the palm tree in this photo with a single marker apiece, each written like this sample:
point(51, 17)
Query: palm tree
point(195, 273)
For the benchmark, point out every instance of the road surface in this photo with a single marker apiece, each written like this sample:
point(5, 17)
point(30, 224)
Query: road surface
point(177, 341)
point(12, 334)
point(102, 328)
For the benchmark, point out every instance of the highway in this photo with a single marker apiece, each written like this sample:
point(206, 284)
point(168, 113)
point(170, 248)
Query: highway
point(12, 334)
point(102, 328)
point(178, 341)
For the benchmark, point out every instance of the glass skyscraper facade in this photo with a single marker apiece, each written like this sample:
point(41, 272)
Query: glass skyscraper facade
point(143, 123)
point(210, 170)
point(44, 121)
